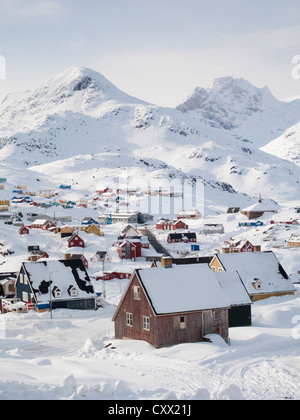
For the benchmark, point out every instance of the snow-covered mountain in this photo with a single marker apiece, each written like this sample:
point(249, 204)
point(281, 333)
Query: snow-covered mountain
point(251, 114)
point(215, 135)
point(286, 146)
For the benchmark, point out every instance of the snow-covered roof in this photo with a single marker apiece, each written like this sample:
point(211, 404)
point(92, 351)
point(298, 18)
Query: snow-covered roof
point(234, 288)
point(183, 289)
point(188, 213)
point(262, 207)
point(294, 238)
point(258, 266)
point(62, 274)
point(40, 221)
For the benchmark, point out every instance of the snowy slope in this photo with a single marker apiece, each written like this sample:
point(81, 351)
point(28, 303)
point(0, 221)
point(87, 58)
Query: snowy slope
point(286, 146)
point(79, 112)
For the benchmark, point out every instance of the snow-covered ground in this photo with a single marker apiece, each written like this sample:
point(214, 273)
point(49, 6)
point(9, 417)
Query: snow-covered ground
point(75, 356)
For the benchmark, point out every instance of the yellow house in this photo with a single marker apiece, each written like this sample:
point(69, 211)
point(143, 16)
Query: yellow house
point(4, 203)
point(294, 241)
point(260, 272)
point(93, 229)
point(66, 229)
point(216, 265)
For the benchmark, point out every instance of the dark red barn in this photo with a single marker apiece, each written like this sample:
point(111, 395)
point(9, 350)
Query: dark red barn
point(167, 306)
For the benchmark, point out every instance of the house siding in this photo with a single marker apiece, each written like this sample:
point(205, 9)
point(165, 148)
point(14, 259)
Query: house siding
point(138, 308)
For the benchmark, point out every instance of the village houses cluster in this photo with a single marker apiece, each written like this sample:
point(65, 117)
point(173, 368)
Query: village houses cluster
point(174, 299)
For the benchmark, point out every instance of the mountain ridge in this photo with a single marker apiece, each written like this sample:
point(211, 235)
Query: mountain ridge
point(80, 112)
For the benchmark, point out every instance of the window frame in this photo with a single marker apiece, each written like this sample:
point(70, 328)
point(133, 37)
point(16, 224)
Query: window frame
point(129, 319)
point(137, 292)
point(146, 323)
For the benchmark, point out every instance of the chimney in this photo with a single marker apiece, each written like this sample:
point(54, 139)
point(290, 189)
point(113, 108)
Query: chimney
point(259, 197)
point(166, 262)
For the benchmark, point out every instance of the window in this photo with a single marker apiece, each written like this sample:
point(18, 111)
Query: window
point(180, 322)
point(136, 292)
point(73, 291)
point(146, 323)
point(57, 293)
point(129, 319)
point(218, 315)
point(24, 296)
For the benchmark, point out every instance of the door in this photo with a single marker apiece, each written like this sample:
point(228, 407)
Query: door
point(207, 323)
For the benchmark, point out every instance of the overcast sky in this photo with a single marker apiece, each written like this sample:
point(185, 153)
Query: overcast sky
point(157, 50)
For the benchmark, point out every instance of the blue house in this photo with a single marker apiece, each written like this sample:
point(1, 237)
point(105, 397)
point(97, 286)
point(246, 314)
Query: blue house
point(195, 247)
point(60, 283)
point(257, 223)
point(89, 221)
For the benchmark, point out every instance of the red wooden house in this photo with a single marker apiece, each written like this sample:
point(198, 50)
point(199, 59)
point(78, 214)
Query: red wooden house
point(43, 224)
point(196, 306)
point(24, 230)
point(129, 249)
point(75, 240)
point(239, 246)
point(185, 237)
point(178, 224)
point(113, 275)
point(104, 191)
point(171, 225)
point(189, 214)
point(37, 255)
point(289, 222)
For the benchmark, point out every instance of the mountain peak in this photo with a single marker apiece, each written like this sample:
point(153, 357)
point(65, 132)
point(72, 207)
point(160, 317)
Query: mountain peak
point(80, 78)
point(239, 86)
point(228, 102)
